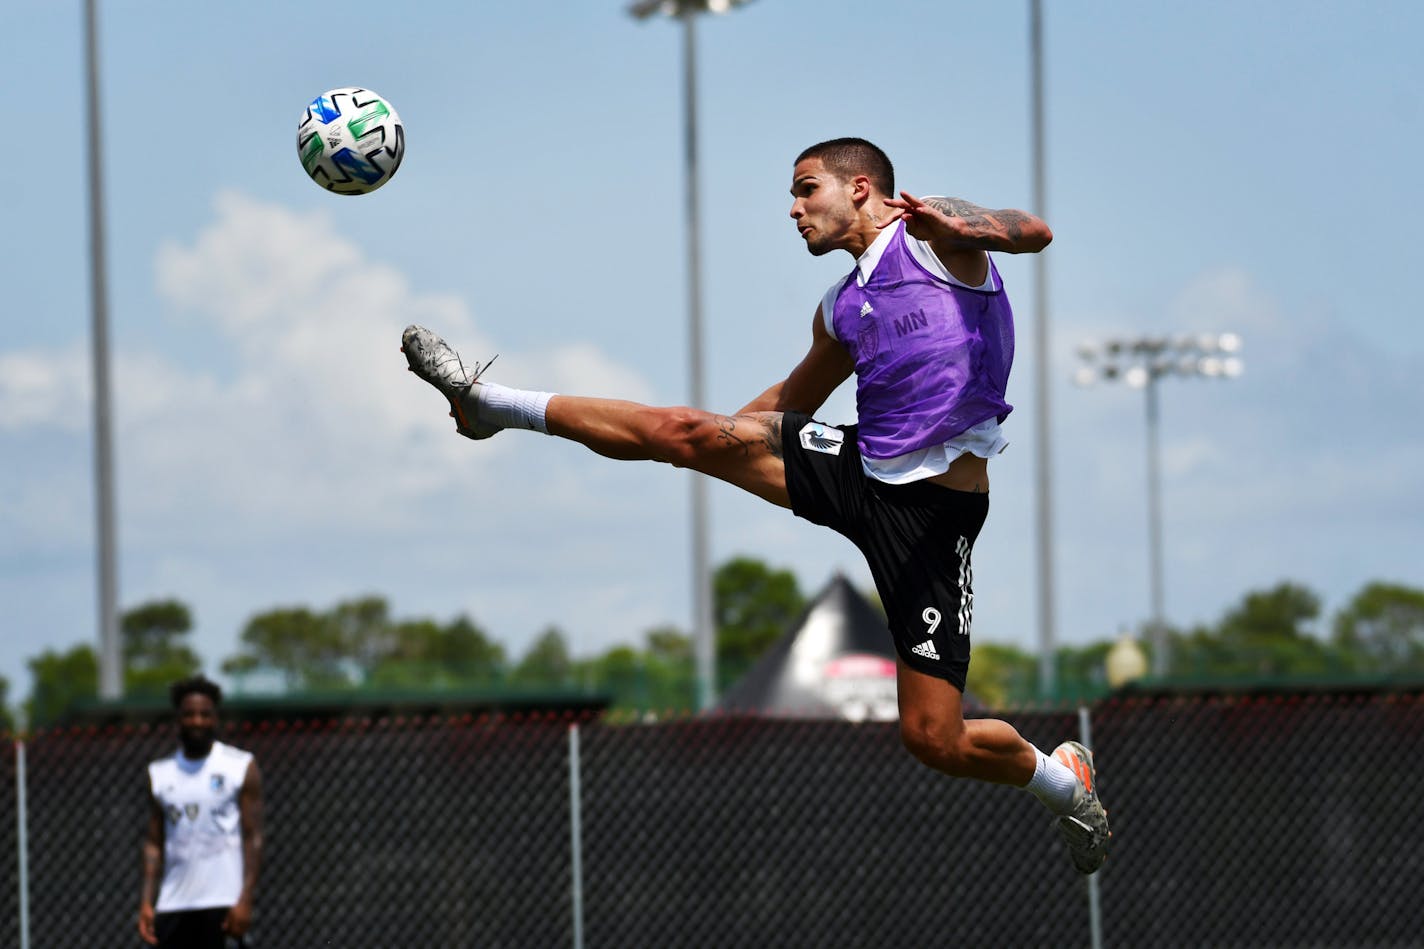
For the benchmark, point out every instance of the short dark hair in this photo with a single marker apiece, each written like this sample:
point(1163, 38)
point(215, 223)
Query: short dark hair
point(198, 683)
point(848, 157)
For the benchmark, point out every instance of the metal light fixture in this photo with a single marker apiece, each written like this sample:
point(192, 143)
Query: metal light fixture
point(1140, 362)
point(702, 633)
point(644, 9)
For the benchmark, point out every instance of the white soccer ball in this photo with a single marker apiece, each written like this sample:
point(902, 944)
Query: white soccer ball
point(350, 140)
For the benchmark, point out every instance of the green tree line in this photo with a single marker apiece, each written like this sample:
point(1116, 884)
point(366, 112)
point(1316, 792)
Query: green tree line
point(1277, 634)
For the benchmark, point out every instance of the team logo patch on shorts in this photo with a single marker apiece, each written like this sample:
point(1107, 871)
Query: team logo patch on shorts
point(822, 438)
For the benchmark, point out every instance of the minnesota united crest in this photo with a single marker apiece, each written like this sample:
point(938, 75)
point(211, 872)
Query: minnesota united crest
point(822, 438)
point(868, 341)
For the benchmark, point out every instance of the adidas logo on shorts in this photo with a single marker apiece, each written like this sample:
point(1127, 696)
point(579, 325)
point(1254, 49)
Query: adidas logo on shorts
point(926, 649)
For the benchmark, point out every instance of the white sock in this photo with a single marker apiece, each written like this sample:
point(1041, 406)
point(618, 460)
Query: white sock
point(1053, 783)
point(512, 408)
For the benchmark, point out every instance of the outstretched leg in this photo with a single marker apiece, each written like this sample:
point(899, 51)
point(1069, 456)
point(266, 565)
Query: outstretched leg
point(744, 450)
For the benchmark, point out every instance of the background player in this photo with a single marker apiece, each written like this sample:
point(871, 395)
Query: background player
point(204, 838)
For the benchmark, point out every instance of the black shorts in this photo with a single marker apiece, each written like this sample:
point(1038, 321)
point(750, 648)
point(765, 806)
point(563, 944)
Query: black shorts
point(916, 539)
point(192, 929)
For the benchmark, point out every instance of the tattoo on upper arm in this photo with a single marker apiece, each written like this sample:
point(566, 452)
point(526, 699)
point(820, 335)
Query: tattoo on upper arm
point(957, 207)
point(1006, 225)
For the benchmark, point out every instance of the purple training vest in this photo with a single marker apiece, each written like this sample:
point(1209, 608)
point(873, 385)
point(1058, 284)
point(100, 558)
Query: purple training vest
point(932, 359)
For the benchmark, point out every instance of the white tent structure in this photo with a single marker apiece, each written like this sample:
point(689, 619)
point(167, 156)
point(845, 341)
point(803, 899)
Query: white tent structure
point(836, 661)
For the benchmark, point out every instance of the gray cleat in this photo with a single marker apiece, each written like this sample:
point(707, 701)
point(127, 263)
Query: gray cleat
point(1084, 828)
point(430, 358)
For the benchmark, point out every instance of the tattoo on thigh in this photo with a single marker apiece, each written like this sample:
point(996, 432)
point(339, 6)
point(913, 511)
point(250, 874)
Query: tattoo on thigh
point(771, 434)
point(727, 433)
point(742, 431)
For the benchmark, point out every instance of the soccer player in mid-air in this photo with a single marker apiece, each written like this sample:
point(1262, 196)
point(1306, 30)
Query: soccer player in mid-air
point(924, 323)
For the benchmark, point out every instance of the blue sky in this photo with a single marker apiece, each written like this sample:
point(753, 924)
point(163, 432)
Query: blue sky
point(1211, 167)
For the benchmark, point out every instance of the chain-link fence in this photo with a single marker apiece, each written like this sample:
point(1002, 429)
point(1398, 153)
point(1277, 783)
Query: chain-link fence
point(1239, 821)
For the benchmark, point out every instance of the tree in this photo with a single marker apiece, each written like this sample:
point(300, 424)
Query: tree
point(1001, 676)
point(547, 662)
point(364, 631)
point(669, 644)
point(61, 680)
point(467, 648)
point(153, 651)
point(357, 642)
point(671, 671)
point(422, 653)
point(305, 647)
point(7, 721)
point(621, 672)
point(752, 605)
point(1267, 634)
point(1082, 670)
point(1270, 632)
point(1381, 629)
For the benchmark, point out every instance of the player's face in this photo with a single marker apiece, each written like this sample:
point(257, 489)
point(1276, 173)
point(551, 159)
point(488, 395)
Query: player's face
point(197, 723)
point(821, 206)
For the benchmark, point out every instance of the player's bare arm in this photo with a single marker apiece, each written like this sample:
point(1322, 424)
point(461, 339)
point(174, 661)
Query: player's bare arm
point(824, 367)
point(249, 807)
point(962, 225)
point(960, 232)
point(152, 869)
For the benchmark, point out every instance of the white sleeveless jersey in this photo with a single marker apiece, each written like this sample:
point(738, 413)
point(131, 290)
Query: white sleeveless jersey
point(202, 839)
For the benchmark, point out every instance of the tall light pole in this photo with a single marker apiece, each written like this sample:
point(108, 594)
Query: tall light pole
point(1141, 362)
point(1043, 486)
point(702, 634)
point(111, 684)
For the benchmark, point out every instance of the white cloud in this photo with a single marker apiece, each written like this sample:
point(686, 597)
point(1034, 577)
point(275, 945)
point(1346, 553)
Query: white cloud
point(319, 418)
point(291, 458)
point(1226, 299)
point(45, 390)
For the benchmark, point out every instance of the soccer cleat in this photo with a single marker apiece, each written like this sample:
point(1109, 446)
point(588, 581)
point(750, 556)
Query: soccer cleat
point(1084, 828)
point(432, 359)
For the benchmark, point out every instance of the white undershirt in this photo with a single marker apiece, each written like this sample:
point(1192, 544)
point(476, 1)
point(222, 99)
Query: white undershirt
point(985, 439)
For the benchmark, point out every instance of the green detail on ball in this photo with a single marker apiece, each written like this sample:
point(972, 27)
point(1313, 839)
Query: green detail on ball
point(371, 115)
point(311, 152)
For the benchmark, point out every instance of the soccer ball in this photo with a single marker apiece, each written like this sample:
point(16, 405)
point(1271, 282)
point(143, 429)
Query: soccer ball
point(350, 140)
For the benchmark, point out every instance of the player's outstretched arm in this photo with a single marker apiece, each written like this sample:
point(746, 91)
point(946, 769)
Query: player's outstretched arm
point(953, 225)
point(824, 367)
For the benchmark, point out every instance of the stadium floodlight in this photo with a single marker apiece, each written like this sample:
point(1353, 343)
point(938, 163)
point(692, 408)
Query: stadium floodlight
point(1141, 362)
point(644, 9)
point(702, 632)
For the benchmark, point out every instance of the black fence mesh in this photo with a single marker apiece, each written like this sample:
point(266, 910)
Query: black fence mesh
point(9, 846)
point(1258, 821)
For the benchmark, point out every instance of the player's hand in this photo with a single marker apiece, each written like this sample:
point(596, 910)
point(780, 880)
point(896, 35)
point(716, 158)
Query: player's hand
point(145, 924)
point(238, 919)
point(922, 221)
